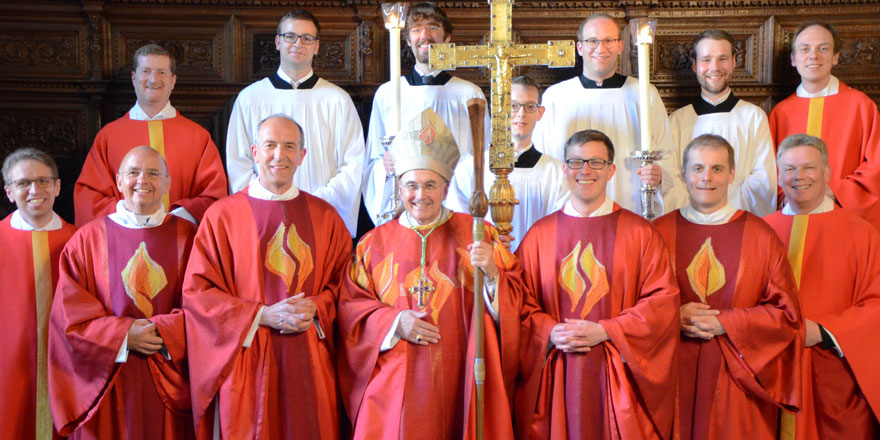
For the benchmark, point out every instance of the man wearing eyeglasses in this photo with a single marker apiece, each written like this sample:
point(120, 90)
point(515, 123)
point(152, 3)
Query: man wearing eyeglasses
point(741, 324)
point(601, 99)
point(117, 350)
point(600, 361)
point(32, 237)
point(536, 177)
point(423, 88)
point(332, 169)
point(743, 124)
point(197, 172)
point(845, 118)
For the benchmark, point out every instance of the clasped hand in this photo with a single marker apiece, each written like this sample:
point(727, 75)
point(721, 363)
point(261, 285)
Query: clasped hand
point(144, 338)
point(577, 335)
point(291, 315)
point(700, 321)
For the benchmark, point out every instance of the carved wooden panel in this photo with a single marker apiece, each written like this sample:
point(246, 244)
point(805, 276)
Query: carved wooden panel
point(43, 50)
point(199, 52)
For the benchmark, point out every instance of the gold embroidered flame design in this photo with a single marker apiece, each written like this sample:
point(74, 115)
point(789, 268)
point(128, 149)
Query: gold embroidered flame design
point(705, 273)
point(303, 253)
point(360, 263)
point(278, 261)
point(569, 278)
point(384, 275)
point(465, 269)
point(143, 279)
point(443, 287)
point(598, 279)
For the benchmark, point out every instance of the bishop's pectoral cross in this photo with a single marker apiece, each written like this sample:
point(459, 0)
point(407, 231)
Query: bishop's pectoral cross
point(422, 287)
point(500, 55)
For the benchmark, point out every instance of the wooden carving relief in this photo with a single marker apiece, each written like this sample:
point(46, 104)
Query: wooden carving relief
point(59, 51)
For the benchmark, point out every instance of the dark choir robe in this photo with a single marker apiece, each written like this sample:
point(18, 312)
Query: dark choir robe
point(29, 271)
point(849, 123)
point(426, 392)
point(732, 386)
point(111, 275)
point(249, 252)
point(835, 257)
point(197, 176)
point(612, 269)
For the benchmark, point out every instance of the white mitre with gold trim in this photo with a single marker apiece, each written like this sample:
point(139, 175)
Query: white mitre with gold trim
point(425, 143)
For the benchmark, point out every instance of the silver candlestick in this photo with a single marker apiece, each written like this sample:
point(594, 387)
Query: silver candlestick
point(648, 157)
point(395, 192)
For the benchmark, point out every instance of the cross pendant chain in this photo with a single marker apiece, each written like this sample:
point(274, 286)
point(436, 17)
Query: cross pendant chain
point(422, 287)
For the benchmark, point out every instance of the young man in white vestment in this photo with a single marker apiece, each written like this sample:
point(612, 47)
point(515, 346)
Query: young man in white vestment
point(537, 178)
point(744, 125)
point(333, 133)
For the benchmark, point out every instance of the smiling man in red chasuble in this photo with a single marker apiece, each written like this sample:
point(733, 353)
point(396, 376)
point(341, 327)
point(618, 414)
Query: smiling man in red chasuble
point(260, 300)
point(600, 362)
point(117, 354)
point(740, 319)
point(835, 256)
point(32, 236)
point(406, 365)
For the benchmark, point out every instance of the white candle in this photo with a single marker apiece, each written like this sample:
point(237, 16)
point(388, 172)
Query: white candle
point(394, 48)
point(644, 43)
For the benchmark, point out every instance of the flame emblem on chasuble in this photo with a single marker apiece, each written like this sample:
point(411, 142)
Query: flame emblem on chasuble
point(279, 262)
point(705, 273)
point(143, 279)
point(573, 283)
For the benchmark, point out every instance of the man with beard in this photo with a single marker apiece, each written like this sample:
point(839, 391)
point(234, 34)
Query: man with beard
point(333, 135)
point(743, 124)
point(602, 99)
point(423, 88)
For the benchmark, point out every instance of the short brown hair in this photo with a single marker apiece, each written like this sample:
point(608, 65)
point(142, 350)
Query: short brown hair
point(827, 26)
point(527, 81)
point(153, 49)
point(712, 34)
point(427, 11)
point(299, 14)
point(708, 141)
point(596, 16)
point(585, 136)
point(23, 154)
point(800, 140)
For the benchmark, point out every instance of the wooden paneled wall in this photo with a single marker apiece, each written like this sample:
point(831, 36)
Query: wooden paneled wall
point(65, 65)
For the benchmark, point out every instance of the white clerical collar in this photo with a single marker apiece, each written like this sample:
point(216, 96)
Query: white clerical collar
point(831, 89)
point(128, 219)
point(294, 84)
point(433, 73)
point(827, 205)
point(138, 114)
point(718, 217)
point(258, 191)
point(716, 101)
point(18, 222)
point(604, 209)
point(404, 221)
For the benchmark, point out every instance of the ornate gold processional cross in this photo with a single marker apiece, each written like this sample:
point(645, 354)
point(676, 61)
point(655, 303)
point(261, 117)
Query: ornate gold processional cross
point(500, 55)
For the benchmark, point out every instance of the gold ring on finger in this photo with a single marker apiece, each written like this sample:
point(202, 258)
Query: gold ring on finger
point(419, 338)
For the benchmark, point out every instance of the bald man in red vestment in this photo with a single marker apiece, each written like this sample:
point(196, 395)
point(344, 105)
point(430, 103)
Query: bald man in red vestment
point(117, 354)
point(260, 300)
point(407, 360)
point(197, 176)
point(600, 362)
point(740, 319)
point(840, 380)
point(845, 118)
point(33, 236)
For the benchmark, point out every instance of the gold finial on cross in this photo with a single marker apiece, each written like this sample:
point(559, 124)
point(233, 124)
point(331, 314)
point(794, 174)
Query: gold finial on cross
point(500, 55)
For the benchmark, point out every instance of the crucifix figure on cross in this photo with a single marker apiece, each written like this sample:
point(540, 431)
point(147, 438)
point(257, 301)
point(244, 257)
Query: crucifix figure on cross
point(423, 286)
point(500, 55)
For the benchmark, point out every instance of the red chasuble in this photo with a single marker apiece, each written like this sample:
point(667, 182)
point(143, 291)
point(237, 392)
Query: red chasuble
point(614, 270)
point(249, 253)
point(849, 124)
point(28, 271)
point(197, 176)
point(732, 386)
point(426, 392)
point(835, 257)
point(111, 275)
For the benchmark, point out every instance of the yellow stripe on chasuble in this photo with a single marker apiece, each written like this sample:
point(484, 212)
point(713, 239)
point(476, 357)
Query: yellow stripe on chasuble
point(157, 141)
point(796, 258)
point(814, 117)
point(43, 290)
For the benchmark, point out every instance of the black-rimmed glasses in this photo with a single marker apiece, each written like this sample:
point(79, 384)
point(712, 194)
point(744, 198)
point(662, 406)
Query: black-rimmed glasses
point(290, 37)
point(594, 164)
